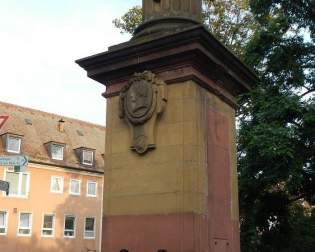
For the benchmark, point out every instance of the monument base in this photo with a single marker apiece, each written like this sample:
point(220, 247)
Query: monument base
point(173, 232)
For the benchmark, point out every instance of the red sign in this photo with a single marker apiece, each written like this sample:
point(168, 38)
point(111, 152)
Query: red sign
point(3, 119)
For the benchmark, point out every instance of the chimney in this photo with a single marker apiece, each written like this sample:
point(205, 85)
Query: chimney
point(61, 125)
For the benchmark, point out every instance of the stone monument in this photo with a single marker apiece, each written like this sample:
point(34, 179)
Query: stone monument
point(170, 180)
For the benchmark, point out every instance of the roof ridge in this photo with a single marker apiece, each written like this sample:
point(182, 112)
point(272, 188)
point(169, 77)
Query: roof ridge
point(103, 127)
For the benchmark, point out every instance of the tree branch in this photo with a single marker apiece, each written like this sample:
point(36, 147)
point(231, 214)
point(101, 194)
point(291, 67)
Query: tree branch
point(295, 123)
point(307, 92)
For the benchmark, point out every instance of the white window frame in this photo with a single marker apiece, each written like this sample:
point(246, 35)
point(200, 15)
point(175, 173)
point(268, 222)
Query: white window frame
point(19, 185)
point(7, 147)
point(74, 226)
point(87, 189)
point(62, 184)
point(74, 193)
point(85, 163)
point(50, 229)
point(63, 151)
point(84, 230)
point(6, 222)
point(30, 227)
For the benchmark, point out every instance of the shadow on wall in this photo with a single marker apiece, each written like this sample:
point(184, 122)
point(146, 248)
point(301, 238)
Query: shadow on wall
point(80, 209)
point(60, 244)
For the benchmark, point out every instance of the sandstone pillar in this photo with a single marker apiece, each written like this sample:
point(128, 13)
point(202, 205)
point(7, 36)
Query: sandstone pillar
point(170, 181)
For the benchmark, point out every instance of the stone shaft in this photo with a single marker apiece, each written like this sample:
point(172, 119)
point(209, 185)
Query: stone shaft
point(171, 8)
point(181, 197)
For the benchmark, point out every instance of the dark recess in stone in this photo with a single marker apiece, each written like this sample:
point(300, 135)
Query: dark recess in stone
point(28, 121)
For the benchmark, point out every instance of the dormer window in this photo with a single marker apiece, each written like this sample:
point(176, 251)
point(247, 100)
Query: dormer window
point(56, 151)
point(13, 144)
point(87, 157)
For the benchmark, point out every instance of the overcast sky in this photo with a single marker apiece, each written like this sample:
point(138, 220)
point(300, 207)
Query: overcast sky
point(39, 42)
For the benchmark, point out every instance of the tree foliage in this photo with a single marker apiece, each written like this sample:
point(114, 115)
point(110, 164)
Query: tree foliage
point(229, 20)
point(130, 20)
point(277, 130)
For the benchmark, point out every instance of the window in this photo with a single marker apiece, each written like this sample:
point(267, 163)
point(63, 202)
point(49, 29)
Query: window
point(75, 186)
point(89, 228)
point(87, 157)
point(69, 228)
point(56, 151)
point(25, 224)
point(91, 189)
point(19, 183)
point(3, 222)
point(48, 225)
point(56, 185)
point(13, 144)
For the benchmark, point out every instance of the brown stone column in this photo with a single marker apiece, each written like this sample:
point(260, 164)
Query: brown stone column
point(181, 194)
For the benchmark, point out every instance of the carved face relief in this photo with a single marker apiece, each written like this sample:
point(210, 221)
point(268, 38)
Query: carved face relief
point(141, 101)
point(139, 98)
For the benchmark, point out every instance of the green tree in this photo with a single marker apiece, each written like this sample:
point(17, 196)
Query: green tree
point(130, 20)
point(277, 130)
point(229, 20)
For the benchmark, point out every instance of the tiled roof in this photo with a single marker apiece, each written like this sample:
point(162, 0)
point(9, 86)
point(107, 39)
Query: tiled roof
point(39, 128)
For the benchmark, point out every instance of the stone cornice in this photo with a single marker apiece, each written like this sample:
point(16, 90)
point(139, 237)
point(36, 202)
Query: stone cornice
point(193, 53)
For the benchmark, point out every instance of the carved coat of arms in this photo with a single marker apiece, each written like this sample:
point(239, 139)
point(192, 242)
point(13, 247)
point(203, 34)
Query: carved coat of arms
point(141, 101)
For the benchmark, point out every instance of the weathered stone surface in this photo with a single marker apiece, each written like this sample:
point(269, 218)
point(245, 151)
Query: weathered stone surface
point(167, 16)
point(178, 163)
point(192, 170)
point(153, 9)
